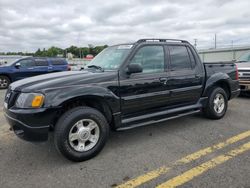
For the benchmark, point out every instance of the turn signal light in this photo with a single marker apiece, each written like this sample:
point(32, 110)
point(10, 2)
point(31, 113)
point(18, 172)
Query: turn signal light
point(37, 101)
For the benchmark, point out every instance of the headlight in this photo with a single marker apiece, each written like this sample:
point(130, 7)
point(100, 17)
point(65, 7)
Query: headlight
point(30, 100)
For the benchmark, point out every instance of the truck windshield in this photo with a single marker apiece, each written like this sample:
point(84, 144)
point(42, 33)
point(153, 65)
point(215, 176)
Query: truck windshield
point(244, 58)
point(110, 58)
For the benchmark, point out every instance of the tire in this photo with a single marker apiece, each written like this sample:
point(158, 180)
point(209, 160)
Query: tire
point(75, 141)
point(213, 110)
point(4, 82)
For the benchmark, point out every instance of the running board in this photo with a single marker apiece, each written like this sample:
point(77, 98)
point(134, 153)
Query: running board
point(162, 113)
point(158, 121)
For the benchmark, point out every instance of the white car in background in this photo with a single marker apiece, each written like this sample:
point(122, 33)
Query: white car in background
point(243, 64)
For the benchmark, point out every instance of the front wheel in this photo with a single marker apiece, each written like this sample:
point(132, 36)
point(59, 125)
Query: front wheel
point(81, 133)
point(217, 104)
point(4, 82)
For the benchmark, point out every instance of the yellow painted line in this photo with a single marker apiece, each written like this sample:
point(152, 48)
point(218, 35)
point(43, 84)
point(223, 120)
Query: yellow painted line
point(144, 178)
point(196, 171)
point(156, 173)
point(208, 150)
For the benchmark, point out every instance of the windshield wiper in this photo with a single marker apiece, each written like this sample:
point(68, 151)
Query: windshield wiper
point(96, 67)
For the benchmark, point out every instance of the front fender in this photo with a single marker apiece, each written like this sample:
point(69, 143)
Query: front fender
point(55, 98)
point(6, 72)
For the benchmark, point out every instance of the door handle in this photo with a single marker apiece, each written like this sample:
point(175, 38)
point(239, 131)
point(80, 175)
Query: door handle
point(31, 68)
point(164, 80)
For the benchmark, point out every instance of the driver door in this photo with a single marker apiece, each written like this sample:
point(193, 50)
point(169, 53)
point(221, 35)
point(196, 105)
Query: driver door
point(145, 91)
point(24, 69)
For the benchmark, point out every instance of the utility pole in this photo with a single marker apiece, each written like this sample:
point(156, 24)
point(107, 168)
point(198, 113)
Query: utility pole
point(215, 41)
point(234, 53)
point(195, 43)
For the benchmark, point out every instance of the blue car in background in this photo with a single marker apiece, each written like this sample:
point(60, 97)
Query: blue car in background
point(30, 66)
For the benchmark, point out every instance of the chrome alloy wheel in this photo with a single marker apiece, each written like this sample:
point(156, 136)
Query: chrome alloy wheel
point(219, 103)
point(84, 135)
point(3, 83)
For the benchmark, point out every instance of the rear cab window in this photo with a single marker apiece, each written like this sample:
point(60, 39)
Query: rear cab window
point(191, 55)
point(179, 58)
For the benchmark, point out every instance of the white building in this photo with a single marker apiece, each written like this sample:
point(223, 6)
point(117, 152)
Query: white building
point(223, 54)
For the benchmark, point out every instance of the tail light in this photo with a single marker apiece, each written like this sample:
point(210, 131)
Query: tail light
point(69, 68)
point(237, 72)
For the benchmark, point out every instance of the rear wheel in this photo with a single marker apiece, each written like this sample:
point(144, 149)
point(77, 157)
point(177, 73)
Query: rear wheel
point(81, 133)
point(4, 82)
point(217, 103)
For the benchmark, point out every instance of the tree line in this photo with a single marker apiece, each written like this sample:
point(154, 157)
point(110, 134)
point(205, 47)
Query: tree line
point(78, 52)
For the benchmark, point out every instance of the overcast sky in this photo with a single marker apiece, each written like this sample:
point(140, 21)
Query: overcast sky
point(26, 25)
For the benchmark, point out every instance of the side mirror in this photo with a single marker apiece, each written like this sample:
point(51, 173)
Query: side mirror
point(17, 65)
point(134, 68)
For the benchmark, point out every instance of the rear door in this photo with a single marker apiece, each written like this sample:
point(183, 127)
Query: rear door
point(41, 66)
point(57, 65)
point(145, 91)
point(185, 81)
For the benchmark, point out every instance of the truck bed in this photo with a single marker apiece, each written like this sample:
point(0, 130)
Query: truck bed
point(218, 67)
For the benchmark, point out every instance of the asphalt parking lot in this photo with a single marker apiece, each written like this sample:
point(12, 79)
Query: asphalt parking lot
point(187, 152)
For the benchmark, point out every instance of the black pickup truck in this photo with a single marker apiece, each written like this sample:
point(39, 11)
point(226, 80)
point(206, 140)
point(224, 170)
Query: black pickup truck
point(125, 86)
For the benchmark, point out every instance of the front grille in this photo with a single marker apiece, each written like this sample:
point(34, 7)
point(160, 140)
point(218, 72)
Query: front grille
point(243, 70)
point(245, 78)
point(244, 74)
point(7, 96)
point(10, 97)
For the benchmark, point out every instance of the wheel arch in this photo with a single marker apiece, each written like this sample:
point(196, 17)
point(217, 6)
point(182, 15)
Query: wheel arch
point(7, 75)
point(225, 86)
point(218, 80)
point(97, 102)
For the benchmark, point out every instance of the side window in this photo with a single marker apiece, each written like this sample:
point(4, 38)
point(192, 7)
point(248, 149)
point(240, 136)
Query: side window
point(41, 62)
point(151, 58)
point(57, 62)
point(26, 63)
point(179, 58)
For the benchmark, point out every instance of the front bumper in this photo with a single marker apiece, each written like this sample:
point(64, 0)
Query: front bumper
point(31, 124)
point(244, 85)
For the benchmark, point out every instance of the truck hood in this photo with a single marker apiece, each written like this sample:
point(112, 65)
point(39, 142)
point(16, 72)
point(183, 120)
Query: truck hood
point(244, 65)
point(4, 66)
point(62, 79)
